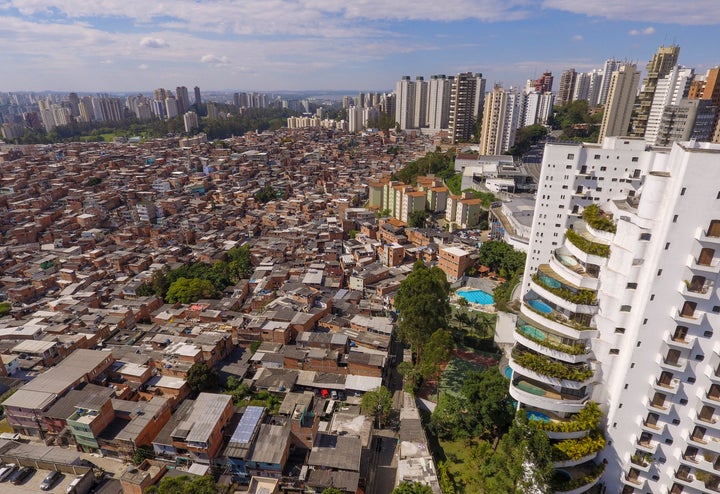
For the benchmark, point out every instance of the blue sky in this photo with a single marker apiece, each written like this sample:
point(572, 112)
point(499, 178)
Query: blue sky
point(268, 45)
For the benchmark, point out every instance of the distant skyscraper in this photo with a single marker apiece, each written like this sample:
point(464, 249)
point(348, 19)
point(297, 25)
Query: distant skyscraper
point(595, 85)
point(198, 99)
point(658, 67)
point(543, 84)
point(611, 65)
point(171, 107)
point(500, 119)
point(421, 103)
point(686, 120)
point(439, 90)
point(536, 108)
point(565, 90)
point(191, 121)
point(581, 88)
point(466, 101)
point(355, 118)
point(619, 104)
point(404, 102)
point(182, 98)
point(669, 91)
point(74, 104)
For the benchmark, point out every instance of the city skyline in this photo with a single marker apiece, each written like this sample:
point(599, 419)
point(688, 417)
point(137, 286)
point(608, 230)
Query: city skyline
point(317, 44)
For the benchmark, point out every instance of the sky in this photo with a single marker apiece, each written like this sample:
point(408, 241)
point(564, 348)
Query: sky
point(367, 45)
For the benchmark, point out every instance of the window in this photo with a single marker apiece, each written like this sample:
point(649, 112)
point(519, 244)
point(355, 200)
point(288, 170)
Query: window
point(625, 308)
point(699, 357)
point(708, 334)
point(631, 286)
point(597, 157)
point(614, 351)
point(667, 246)
point(638, 344)
point(659, 272)
point(668, 440)
point(645, 236)
point(652, 297)
point(634, 159)
point(571, 156)
point(620, 330)
point(716, 308)
point(682, 192)
point(690, 380)
point(675, 218)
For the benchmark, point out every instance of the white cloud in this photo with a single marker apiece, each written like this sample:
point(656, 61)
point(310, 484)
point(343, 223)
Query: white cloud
point(642, 32)
point(149, 42)
point(215, 60)
point(700, 12)
point(106, 62)
point(143, 66)
point(578, 37)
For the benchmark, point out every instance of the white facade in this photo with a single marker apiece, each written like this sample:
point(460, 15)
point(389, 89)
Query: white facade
point(645, 337)
point(405, 102)
point(669, 91)
point(620, 100)
point(439, 101)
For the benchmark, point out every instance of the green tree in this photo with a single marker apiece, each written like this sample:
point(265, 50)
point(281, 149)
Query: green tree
point(525, 138)
point(188, 290)
point(416, 219)
point(184, 485)
point(239, 263)
point(521, 463)
point(438, 351)
point(332, 490)
point(201, 377)
point(266, 194)
point(501, 258)
point(5, 308)
point(422, 301)
point(142, 453)
point(412, 488)
point(377, 403)
point(488, 401)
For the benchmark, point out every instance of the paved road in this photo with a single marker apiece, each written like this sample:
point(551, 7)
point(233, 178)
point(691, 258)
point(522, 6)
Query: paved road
point(383, 466)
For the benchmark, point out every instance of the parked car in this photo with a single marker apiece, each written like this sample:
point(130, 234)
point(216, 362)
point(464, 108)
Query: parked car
point(21, 475)
point(6, 471)
point(50, 480)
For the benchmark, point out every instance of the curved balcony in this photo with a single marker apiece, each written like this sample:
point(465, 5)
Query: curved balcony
point(553, 367)
point(557, 322)
point(544, 397)
point(581, 478)
point(546, 343)
point(572, 463)
point(696, 318)
point(570, 268)
point(562, 296)
point(585, 246)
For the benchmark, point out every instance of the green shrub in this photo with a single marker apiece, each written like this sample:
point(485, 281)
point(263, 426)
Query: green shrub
point(586, 419)
point(574, 449)
point(551, 368)
point(586, 245)
point(597, 219)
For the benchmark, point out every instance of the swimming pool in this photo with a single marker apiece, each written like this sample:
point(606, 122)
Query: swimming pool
point(540, 305)
point(533, 332)
point(549, 281)
point(477, 297)
point(508, 372)
point(567, 260)
point(540, 417)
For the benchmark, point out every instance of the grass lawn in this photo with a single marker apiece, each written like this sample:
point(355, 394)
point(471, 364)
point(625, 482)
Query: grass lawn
point(460, 467)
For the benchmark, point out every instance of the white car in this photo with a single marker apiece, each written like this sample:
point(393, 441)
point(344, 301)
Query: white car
point(6, 471)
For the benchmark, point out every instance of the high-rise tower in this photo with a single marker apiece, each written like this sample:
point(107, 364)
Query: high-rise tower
point(405, 102)
point(619, 104)
point(615, 354)
point(658, 67)
point(466, 102)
